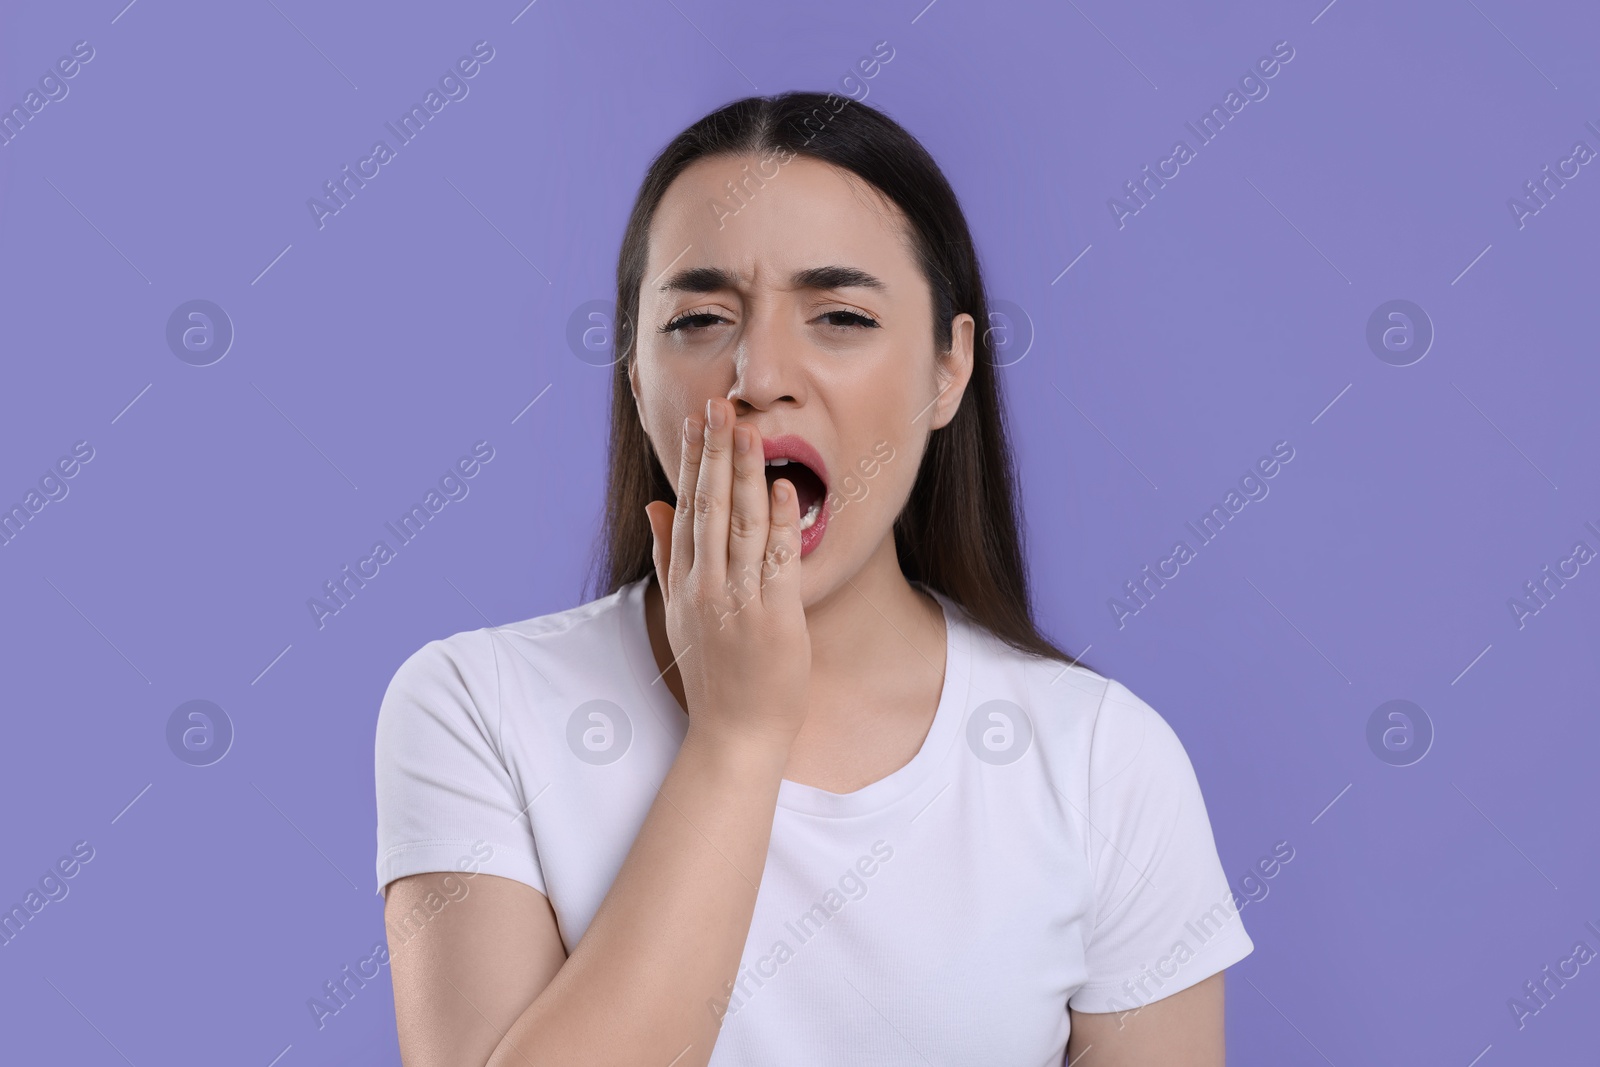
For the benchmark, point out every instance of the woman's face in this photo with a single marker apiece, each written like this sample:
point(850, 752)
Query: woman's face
point(843, 357)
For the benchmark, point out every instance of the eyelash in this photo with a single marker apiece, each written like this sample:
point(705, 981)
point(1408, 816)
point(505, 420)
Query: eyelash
point(681, 322)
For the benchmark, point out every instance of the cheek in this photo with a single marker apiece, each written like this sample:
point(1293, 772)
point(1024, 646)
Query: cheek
point(664, 402)
point(877, 481)
point(884, 405)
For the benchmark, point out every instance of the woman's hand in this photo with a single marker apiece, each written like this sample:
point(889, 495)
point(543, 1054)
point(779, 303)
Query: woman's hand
point(728, 562)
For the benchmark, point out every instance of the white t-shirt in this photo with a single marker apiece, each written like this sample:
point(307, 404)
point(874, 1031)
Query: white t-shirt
point(1047, 846)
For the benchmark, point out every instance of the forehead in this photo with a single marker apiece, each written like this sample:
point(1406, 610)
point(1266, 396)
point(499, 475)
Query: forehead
point(808, 213)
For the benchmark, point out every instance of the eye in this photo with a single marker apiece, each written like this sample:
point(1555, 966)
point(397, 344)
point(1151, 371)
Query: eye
point(850, 319)
point(693, 321)
point(700, 320)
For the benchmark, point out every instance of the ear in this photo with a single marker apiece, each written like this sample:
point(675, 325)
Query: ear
point(633, 387)
point(954, 370)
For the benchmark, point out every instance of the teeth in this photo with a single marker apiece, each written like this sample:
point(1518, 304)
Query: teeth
point(809, 519)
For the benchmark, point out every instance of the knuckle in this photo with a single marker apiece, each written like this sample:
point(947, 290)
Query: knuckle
point(742, 524)
point(773, 562)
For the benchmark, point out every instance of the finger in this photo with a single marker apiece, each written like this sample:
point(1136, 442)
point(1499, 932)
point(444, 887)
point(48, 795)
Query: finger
point(711, 497)
point(747, 524)
point(659, 516)
point(780, 569)
point(683, 514)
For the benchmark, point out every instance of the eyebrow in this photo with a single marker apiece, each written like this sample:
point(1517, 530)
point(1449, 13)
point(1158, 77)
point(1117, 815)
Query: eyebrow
point(714, 279)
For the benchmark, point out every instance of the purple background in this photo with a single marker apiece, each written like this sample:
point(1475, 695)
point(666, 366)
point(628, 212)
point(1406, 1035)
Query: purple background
point(1227, 315)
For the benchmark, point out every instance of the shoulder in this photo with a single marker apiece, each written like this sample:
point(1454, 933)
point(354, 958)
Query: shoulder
point(1055, 696)
point(1078, 712)
point(1131, 745)
point(475, 664)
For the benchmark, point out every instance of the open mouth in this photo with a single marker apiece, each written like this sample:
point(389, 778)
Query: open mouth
point(808, 486)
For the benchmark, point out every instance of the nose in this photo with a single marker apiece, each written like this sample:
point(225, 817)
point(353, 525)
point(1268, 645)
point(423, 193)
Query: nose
point(768, 364)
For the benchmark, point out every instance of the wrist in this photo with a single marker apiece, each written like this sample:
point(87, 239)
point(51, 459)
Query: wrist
point(744, 754)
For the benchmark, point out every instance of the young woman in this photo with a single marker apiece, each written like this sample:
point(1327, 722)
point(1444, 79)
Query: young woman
point(805, 786)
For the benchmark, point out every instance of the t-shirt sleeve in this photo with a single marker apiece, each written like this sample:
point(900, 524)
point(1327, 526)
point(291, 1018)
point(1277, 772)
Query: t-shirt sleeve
point(1165, 917)
point(446, 801)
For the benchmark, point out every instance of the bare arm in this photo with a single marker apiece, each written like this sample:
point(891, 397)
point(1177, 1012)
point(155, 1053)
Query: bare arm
point(462, 975)
point(1182, 1030)
point(487, 980)
point(488, 984)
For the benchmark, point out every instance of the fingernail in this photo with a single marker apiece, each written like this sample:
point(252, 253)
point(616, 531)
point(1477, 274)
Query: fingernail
point(741, 439)
point(780, 489)
point(713, 413)
point(688, 428)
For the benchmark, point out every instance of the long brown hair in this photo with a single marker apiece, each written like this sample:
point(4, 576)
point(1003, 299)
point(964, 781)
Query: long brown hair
point(959, 531)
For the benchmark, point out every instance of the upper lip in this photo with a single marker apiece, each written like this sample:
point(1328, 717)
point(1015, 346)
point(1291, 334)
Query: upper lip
point(793, 446)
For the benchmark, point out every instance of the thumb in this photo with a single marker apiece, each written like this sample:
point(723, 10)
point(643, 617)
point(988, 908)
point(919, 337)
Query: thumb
point(659, 515)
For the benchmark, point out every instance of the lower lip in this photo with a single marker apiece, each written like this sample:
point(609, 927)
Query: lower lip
point(811, 538)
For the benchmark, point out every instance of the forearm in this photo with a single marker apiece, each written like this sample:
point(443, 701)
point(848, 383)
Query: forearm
point(647, 979)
